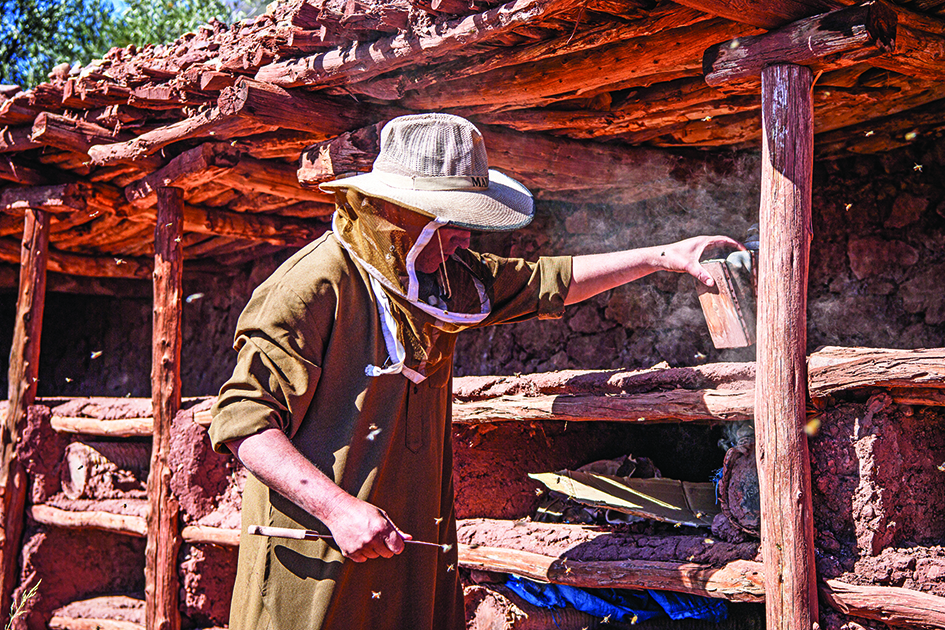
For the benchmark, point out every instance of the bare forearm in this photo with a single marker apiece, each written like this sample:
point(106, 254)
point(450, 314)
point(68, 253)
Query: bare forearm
point(361, 530)
point(275, 461)
point(595, 273)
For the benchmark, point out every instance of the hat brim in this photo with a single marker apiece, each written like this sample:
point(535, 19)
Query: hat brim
point(505, 205)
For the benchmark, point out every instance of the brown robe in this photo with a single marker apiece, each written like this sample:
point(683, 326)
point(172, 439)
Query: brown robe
point(304, 341)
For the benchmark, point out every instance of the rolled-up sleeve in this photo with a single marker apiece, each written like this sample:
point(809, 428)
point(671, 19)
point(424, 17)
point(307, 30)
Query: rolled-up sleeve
point(276, 372)
point(523, 290)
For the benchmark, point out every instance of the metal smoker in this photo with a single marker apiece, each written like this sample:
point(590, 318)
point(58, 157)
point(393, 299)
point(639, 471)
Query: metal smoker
point(729, 306)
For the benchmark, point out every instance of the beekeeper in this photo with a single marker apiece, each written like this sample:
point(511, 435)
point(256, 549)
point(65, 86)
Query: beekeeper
point(339, 404)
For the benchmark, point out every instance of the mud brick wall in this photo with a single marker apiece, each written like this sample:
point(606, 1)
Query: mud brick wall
point(207, 485)
point(879, 496)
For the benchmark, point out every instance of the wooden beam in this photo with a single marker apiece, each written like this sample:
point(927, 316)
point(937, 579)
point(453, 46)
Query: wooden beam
point(58, 199)
point(161, 583)
point(125, 427)
point(203, 534)
point(12, 172)
point(554, 168)
point(89, 519)
point(834, 369)
point(559, 78)
point(660, 18)
point(190, 169)
point(768, 15)
point(270, 178)
point(68, 134)
point(351, 152)
point(455, 38)
point(267, 104)
point(882, 134)
point(207, 124)
point(825, 42)
point(895, 607)
point(787, 526)
point(78, 265)
point(678, 405)
point(738, 581)
point(22, 378)
point(58, 622)
point(269, 228)
point(918, 53)
point(15, 139)
point(919, 42)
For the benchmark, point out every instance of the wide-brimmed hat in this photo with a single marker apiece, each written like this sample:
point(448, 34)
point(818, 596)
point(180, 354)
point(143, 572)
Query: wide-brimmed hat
point(436, 164)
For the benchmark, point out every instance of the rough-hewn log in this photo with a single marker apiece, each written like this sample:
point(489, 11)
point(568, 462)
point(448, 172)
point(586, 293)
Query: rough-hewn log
point(836, 109)
point(267, 104)
point(13, 139)
point(350, 152)
point(736, 581)
point(919, 45)
point(100, 470)
point(552, 167)
point(896, 607)
point(58, 622)
point(769, 14)
point(558, 78)
point(361, 61)
point(878, 135)
point(787, 525)
point(13, 172)
point(268, 228)
point(919, 374)
point(161, 583)
point(269, 178)
point(22, 379)
point(918, 53)
point(12, 112)
point(118, 523)
point(826, 42)
point(277, 144)
point(208, 124)
point(660, 18)
point(660, 105)
point(211, 535)
point(679, 405)
point(92, 266)
point(69, 134)
point(59, 199)
point(190, 169)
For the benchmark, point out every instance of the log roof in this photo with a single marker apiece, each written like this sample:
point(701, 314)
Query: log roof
point(569, 93)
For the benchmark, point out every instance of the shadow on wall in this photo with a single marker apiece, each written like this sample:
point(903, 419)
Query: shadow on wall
point(94, 345)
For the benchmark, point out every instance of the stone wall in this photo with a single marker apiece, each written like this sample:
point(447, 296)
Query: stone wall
point(878, 251)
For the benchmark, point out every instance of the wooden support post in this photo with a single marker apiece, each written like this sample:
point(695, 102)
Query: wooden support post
point(787, 530)
point(164, 540)
point(23, 376)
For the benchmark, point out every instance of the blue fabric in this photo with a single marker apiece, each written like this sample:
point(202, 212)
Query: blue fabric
point(619, 604)
point(686, 606)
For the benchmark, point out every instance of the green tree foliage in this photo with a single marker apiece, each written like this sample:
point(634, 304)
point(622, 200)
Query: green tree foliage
point(36, 35)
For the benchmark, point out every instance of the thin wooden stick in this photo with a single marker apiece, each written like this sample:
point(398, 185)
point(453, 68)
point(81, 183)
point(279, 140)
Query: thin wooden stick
point(307, 534)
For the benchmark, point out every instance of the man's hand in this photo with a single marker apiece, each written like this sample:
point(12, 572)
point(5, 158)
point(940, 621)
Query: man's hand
point(595, 273)
point(363, 531)
point(360, 529)
point(684, 256)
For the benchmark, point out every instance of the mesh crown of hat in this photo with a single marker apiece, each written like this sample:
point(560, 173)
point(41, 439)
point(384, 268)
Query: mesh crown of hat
point(432, 145)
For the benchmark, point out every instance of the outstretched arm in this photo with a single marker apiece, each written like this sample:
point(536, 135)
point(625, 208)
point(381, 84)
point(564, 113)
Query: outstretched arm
point(360, 529)
point(594, 273)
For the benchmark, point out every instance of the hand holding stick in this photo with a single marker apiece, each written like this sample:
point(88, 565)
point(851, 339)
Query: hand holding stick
point(307, 534)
